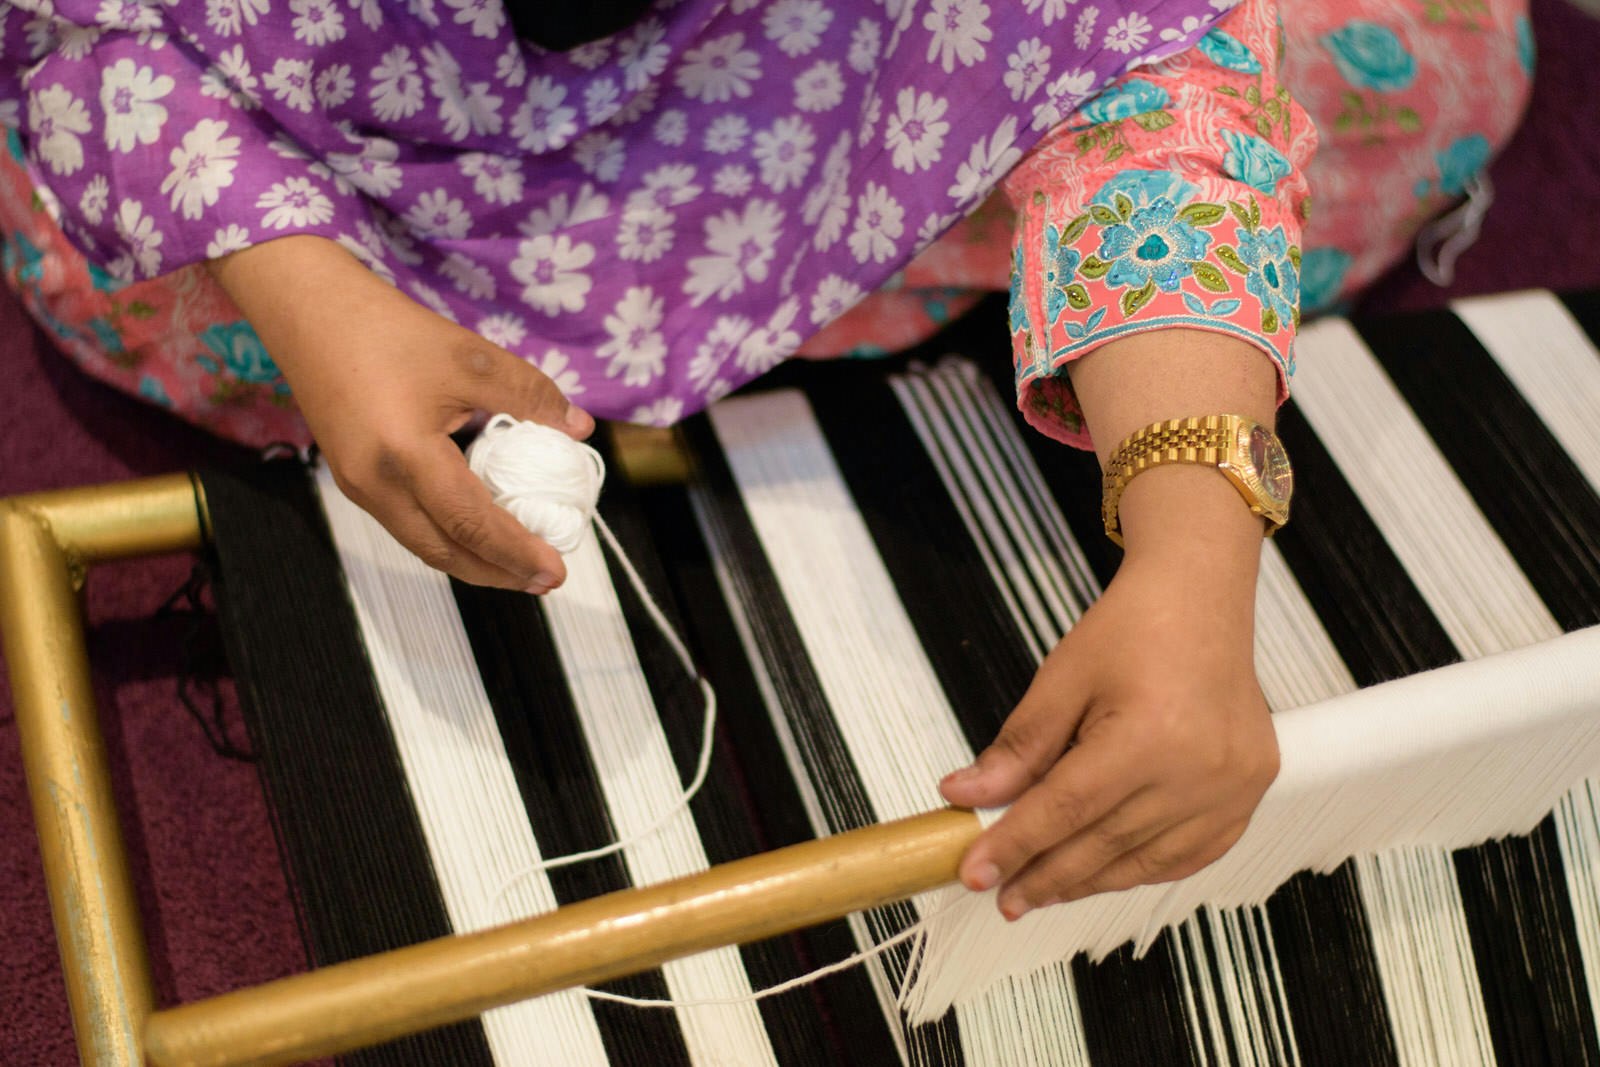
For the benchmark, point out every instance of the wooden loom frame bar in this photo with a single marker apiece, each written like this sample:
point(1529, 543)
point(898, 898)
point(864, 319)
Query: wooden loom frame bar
point(47, 542)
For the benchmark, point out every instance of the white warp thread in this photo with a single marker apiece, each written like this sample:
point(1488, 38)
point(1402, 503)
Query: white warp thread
point(551, 484)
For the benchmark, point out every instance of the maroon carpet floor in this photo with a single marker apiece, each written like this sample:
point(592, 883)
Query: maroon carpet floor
point(214, 897)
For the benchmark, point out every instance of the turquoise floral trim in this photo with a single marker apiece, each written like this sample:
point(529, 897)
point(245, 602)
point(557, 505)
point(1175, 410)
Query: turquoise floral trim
point(1274, 277)
point(101, 280)
point(1061, 264)
point(1132, 97)
point(1253, 161)
point(1148, 249)
point(152, 390)
point(106, 333)
point(1370, 56)
point(1526, 53)
point(1144, 187)
point(1228, 52)
point(1018, 306)
point(240, 350)
point(1322, 272)
point(22, 260)
point(1461, 162)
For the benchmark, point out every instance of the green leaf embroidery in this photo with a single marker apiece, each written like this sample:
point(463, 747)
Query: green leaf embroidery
point(1296, 316)
point(1305, 209)
point(1075, 229)
point(1227, 90)
point(1106, 132)
point(140, 310)
point(1231, 260)
point(1152, 121)
point(1252, 94)
point(1255, 213)
point(1200, 214)
point(1134, 299)
point(1210, 277)
point(1240, 213)
point(1116, 151)
point(1085, 142)
point(1294, 257)
point(1038, 198)
point(1269, 321)
point(1077, 297)
point(1124, 206)
point(1407, 120)
point(1104, 215)
point(1263, 126)
point(1093, 267)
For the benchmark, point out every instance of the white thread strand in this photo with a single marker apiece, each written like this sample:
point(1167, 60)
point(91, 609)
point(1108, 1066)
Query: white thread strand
point(852, 960)
point(551, 484)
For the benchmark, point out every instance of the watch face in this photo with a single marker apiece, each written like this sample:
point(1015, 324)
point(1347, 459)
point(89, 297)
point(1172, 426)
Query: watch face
point(1271, 463)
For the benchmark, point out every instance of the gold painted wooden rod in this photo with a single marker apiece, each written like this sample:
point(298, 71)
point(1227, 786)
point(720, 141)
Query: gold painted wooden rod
point(367, 1001)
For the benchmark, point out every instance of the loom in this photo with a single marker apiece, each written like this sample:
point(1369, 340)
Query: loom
point(1399, 952)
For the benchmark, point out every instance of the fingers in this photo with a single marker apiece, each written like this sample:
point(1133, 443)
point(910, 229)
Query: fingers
point(426, 497)
point(1083, 786)
point(1046, 878)
point(462, 507)
point(1168, 855)
point(493, 380)
point(1032, 739)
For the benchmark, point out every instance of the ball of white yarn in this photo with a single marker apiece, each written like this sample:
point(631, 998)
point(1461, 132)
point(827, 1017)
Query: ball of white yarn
point(550, 482)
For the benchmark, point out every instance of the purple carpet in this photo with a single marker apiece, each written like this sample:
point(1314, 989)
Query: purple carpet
point(215, 901)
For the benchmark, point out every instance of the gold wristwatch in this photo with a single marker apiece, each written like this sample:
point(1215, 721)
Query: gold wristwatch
point(1249, 454)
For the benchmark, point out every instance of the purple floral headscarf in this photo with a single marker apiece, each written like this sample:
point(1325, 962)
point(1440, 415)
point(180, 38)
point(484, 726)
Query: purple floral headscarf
point(653, 218)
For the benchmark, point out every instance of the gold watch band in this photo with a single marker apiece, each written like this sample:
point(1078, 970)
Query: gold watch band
point(1206, 440)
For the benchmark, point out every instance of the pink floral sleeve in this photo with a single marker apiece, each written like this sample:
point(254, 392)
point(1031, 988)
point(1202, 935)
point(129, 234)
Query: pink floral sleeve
point(1175, 198)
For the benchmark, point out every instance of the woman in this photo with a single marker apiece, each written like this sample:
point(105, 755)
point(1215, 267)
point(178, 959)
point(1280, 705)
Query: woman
point(363, 222)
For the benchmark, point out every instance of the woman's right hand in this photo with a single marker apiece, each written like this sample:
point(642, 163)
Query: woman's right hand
point(382, 383)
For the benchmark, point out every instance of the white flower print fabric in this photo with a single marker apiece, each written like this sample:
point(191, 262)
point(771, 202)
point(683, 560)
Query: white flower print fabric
point(652, 219)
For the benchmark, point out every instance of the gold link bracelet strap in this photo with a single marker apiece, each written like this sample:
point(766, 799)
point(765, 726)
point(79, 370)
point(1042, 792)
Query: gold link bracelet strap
point(1202, 439)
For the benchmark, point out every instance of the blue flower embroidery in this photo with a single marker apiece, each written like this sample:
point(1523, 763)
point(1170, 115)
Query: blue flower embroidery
point(1061, 266)
point(103, 280)
point(1461, 162)
point(1018, 306)
point(1370, 56)
point(1153, 245)
point(1322, 272)
point(1132, 97)
point(152, 390)
point(1254, 161)
point(107, 335)
point(1228, 52)
point(1525, 49)
point(241, 351)
point(1273, 279)
point(23, 259)
point(1144, 187)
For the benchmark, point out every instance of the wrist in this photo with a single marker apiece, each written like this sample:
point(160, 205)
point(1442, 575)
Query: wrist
point(1190, 521)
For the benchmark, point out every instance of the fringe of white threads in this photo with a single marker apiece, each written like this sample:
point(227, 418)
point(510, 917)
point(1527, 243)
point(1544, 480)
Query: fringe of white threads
point(1451, 757)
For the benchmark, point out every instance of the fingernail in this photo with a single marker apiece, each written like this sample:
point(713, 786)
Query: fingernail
point(540, 584)
point(1013, 908)
point(577, 420)
point(963, 774)
point(537, 589)
point(984, 878)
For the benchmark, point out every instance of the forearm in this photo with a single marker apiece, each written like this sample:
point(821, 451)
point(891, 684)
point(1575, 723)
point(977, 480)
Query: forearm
point(302, 292)
point(1186, 516)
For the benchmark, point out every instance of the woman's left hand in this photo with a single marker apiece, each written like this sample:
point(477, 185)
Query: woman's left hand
point(1140, 750)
